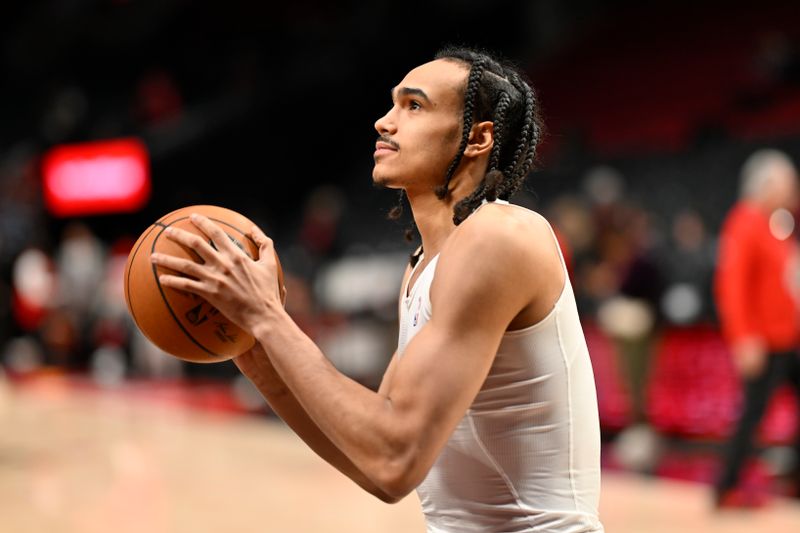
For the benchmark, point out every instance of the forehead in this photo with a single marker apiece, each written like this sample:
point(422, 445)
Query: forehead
point(442, 80)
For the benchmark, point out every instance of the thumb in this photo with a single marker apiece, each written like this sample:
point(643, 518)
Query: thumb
point(266, 250)
point(263, 242)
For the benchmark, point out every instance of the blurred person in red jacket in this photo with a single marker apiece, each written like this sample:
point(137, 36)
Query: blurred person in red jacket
point(756, 296)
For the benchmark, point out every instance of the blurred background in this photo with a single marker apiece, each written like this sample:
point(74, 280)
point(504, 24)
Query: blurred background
point(115, 112)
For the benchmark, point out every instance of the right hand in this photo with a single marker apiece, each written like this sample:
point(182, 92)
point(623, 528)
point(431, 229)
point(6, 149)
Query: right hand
point(750, 357)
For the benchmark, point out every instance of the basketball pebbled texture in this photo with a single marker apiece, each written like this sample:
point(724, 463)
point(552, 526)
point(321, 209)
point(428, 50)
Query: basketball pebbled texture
point(180, 323)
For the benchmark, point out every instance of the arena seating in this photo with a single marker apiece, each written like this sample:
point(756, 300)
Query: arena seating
point(694, 391)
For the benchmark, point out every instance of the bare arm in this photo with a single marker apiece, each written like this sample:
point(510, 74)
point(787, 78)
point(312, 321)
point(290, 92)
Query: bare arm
point(394, 435)
point(257, 367)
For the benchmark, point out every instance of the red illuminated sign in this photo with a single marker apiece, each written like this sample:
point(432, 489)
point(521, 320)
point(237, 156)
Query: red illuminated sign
point(96, 177)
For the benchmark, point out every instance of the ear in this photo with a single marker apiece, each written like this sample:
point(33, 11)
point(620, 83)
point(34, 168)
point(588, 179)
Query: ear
point(481, 139)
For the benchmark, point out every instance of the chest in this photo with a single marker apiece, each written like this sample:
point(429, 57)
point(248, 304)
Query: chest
point(415, 308)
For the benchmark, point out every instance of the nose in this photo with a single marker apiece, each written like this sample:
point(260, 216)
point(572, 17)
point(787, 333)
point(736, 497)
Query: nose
point(386, 124)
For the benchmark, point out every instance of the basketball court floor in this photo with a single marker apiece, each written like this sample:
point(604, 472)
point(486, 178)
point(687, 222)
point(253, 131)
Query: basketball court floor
point(88, 462)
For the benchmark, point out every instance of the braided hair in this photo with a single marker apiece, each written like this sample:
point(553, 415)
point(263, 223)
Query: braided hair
point(495, 91)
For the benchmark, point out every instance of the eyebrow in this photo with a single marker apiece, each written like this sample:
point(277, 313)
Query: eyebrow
point(411, 91)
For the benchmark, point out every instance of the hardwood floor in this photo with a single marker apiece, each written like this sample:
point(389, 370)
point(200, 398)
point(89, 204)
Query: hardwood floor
point(86, 462)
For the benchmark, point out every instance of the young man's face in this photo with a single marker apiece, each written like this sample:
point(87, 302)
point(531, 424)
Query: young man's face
point(421, 132)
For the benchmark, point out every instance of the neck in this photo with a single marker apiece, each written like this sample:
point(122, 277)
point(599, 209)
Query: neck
point(433, 216)
point(762, 204)
point(434, 220)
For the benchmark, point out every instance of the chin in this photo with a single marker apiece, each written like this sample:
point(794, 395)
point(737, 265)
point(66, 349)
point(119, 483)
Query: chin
point(382, 180)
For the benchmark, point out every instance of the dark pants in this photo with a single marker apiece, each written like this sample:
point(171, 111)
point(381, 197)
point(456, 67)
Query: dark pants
point(779, 368)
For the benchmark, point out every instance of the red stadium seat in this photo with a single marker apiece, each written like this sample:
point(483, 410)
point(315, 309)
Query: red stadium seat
point(693, 390)
point(612, 396)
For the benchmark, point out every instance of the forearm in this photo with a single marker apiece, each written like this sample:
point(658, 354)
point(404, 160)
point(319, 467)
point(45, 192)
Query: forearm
point(259, 370)
point(358, 421)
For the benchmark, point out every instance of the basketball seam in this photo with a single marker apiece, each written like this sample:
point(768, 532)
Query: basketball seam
point(161, 290)
point(128, 279)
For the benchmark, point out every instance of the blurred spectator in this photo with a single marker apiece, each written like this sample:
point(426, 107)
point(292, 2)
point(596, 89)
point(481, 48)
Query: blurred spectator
point(689, 266)
point(81, 265)
point(623, 276)
point(573, 228)
point(60, 334)
point(34, 288)
point(756, 294)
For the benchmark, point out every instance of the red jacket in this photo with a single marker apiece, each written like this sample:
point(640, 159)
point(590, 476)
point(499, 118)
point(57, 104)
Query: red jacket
point(755, 272)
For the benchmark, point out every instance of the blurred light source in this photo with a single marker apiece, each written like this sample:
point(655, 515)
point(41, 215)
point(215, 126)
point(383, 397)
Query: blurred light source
point(682, 303)
point(781, 224)
point(97, 177)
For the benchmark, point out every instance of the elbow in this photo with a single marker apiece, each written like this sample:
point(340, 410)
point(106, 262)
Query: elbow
point(397, 479)
point(385, 497)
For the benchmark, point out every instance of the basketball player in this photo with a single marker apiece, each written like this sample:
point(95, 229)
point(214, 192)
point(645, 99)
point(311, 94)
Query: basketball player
point(488, 407)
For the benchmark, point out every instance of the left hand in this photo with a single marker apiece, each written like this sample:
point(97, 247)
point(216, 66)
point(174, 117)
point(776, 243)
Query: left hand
point(244, 290)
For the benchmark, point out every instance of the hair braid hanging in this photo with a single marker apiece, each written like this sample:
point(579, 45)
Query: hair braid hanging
point(519, 166)
point(494, 178)
point(475, 74)
point(499, 119)
point(495, 90)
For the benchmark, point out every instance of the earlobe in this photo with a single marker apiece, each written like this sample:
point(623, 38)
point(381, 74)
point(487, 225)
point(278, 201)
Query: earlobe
point(481, 139)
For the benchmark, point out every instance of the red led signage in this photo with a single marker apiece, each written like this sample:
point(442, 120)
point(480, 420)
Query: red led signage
point(96, 177)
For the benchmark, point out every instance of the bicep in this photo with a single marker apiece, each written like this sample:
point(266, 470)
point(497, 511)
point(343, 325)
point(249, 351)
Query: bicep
point(439, 375)
point(445, 364)
point(387, 375)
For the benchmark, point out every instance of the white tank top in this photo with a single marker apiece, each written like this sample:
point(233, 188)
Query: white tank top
point(526, 455)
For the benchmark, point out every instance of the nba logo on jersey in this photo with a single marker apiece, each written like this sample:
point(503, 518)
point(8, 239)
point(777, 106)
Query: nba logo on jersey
point(416, 313)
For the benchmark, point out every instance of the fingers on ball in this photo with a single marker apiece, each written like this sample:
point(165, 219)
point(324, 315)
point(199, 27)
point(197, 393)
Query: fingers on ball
point(178, 264)
point(191, 241)
point(220, 239)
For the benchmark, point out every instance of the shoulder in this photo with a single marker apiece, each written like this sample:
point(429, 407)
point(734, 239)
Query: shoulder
point(507, 232)
point(494, 251)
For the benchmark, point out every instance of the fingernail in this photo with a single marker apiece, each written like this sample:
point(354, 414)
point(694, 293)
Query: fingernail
point(195, 217)
point(169, 231)
point(154, 257)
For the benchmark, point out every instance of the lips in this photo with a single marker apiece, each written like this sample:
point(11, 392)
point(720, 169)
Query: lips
point(383, 148)
point(380, 145)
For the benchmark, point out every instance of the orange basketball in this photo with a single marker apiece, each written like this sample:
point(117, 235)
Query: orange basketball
point(183, 324)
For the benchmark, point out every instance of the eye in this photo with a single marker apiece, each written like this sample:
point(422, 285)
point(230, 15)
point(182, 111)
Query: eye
point(413, 105)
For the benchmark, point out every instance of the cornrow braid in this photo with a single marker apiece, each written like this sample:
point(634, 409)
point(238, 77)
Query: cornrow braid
point(495, 91)
point(499, 123)
point(475, 74)
point(524, 131)
point(529, 134)
point(488, 188)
